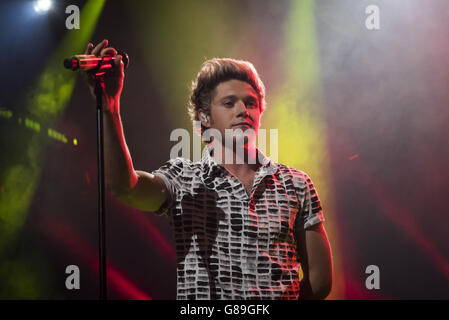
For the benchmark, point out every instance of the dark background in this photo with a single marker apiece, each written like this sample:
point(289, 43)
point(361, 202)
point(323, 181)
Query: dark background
point(384, 97)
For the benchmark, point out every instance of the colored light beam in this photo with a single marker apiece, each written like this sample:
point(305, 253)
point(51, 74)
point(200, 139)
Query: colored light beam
point(400, 216)
point(46, 102)
point(296, 109)
point(62, 234)
point(183, 34)
point(143, 223)
point(393, 210)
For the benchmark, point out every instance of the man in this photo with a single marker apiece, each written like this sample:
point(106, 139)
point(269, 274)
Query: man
point(242, 228)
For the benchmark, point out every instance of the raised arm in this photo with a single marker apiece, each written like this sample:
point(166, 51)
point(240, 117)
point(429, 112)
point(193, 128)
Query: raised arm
point(138, 189)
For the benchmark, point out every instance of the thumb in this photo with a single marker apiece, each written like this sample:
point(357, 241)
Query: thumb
point(118, 60)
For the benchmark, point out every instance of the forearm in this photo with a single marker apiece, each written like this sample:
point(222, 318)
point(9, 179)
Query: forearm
point(120, 175)
point(305, 290)
point(316, 261)
point(314, 288)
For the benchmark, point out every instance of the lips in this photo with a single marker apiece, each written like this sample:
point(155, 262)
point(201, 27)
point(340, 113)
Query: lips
point(243, 124)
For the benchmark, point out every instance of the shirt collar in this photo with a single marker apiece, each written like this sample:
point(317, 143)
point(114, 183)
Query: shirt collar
point(211, 168)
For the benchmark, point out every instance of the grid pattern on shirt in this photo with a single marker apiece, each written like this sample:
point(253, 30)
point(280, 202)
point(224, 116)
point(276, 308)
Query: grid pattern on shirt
point(230, 245)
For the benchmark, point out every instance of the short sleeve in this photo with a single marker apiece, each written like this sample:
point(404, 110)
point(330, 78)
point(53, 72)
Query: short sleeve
point(170, 173)
point(311, 212)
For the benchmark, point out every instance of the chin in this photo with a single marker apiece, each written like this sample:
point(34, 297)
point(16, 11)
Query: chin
point(244, 140)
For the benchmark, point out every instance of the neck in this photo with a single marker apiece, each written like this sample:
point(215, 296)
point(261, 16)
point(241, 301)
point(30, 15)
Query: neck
point(236, 160)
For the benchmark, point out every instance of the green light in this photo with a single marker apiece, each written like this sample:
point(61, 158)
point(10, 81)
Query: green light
point(56, 135)
point(6, 114)
point(56, 84)
point(33, 125)
point(45, 103)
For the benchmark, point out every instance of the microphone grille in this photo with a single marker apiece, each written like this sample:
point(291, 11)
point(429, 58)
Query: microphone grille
point(68, 63)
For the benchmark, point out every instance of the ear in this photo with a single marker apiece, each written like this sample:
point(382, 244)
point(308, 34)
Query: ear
point(204, 118)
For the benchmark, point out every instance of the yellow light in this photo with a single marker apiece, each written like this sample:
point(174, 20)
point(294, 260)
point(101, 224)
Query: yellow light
point(75, 142)
point(298, 111)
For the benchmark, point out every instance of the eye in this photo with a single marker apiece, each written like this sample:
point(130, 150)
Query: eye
point(229, 104)
point(251, 103)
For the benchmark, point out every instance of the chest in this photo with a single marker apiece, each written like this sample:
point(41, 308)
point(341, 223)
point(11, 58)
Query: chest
point(247, 181)
point(224, 214)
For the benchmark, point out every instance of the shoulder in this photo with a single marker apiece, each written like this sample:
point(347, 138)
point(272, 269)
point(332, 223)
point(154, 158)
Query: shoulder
point(181, 167)
point(299, 178)
point(173, 168)
point(177, 163)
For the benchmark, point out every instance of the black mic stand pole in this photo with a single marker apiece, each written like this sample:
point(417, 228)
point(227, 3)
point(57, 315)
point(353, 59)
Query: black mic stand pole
point(74, 64)
point(101, 202)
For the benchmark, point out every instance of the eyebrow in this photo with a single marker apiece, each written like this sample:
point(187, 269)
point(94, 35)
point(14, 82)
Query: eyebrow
point(234, 96)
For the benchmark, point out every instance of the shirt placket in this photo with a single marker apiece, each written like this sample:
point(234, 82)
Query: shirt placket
point(251, 224)
point(242, 196)
point(247, 263)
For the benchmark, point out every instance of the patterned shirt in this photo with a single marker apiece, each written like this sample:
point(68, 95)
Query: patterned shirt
point(230, 245)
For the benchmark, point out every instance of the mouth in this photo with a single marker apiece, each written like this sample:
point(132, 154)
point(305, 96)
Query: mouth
point(243, 124)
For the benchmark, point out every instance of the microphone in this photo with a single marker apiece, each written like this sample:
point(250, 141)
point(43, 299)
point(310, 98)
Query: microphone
point(87, 62)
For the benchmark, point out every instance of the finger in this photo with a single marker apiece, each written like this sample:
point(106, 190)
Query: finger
point(88, 78)
point(89, 48)
point(119, 65)
point(108, 52)
point(101, 45)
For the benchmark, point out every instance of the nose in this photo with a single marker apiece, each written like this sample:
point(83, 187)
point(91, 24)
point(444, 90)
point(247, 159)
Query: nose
point(242, 109)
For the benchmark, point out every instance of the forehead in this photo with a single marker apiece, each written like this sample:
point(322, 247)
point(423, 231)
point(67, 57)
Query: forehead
point(234, 88)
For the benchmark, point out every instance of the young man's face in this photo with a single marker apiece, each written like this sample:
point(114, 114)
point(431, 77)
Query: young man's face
point(235, 105)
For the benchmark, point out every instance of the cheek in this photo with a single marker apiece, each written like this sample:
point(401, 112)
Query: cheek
point(214, 115)
point(222, 117)
point(256, 117)
point(217, 119)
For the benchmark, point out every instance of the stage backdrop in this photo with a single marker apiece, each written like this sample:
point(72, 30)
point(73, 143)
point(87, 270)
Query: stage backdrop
point(358, 91)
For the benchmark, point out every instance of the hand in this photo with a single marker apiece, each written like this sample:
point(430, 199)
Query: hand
point(113, 79)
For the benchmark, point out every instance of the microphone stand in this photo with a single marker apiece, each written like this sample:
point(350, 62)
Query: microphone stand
point(101, 202)
point(74, 64)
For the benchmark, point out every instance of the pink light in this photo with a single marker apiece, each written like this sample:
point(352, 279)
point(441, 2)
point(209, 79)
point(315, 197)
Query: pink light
point(159, 241)
point(64, 235)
